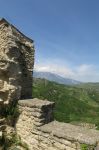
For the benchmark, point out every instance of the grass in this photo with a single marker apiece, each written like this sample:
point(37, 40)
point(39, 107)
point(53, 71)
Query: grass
point(10, 142)
point(72, 104)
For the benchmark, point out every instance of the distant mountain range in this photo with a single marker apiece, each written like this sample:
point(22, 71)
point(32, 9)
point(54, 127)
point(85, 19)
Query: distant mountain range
point(54, 77)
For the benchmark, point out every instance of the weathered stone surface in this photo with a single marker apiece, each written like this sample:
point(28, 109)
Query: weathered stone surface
point(42, 135)
point(71, 132)
point(36, 103)
point(16, 63)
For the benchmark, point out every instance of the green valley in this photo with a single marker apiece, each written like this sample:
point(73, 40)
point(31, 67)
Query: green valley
point(72, 103)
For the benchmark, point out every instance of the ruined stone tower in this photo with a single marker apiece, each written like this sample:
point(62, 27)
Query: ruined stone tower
point(16, 64)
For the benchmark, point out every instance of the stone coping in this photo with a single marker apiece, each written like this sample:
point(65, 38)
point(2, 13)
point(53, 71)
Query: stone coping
point(3, 20)
point(71, 132)
point(33, 103)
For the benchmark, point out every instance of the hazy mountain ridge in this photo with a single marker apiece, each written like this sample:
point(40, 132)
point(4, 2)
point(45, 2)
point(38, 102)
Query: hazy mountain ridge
point(54, 77)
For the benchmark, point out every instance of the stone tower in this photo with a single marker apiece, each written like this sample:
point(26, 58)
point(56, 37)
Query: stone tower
point(16, 64)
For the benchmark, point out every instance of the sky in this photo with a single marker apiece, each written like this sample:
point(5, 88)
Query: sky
point(65, 34)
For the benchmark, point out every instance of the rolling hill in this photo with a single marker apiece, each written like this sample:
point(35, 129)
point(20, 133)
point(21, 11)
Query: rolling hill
point(72, 104)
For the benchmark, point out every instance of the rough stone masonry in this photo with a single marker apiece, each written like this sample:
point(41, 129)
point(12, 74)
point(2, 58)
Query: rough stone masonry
point(35, 124)
point(16, 64)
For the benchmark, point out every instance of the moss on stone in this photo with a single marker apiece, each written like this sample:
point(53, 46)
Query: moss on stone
point(87, 147)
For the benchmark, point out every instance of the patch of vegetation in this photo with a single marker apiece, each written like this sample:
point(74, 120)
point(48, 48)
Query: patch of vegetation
point(87, 147)
point(7, 141)
point(12, 141)
point(89, 85)
point(84, 147)
point(72, 104)
point(11, 113)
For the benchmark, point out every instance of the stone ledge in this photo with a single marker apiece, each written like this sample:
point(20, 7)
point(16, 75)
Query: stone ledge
point(35, 103)
point(71, 132)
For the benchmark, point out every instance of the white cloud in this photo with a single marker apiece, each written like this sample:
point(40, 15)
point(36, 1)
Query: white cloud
point(87, 73)
point(83, 72)
point(54, 68)
point(84, 67)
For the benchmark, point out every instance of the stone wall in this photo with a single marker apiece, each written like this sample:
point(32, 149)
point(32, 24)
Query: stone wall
point(16, 64)
point(34, 113)
point(37, 128)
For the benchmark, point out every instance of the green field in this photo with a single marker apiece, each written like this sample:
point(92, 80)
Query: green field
point(72, 104)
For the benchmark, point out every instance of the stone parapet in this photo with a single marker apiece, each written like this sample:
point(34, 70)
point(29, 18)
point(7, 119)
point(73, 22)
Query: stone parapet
point(40, 111)
point(62, 132)
point(33, 114)
point(41, 133)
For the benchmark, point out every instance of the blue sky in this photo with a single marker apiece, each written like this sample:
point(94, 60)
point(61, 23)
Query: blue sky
point(65, 32)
